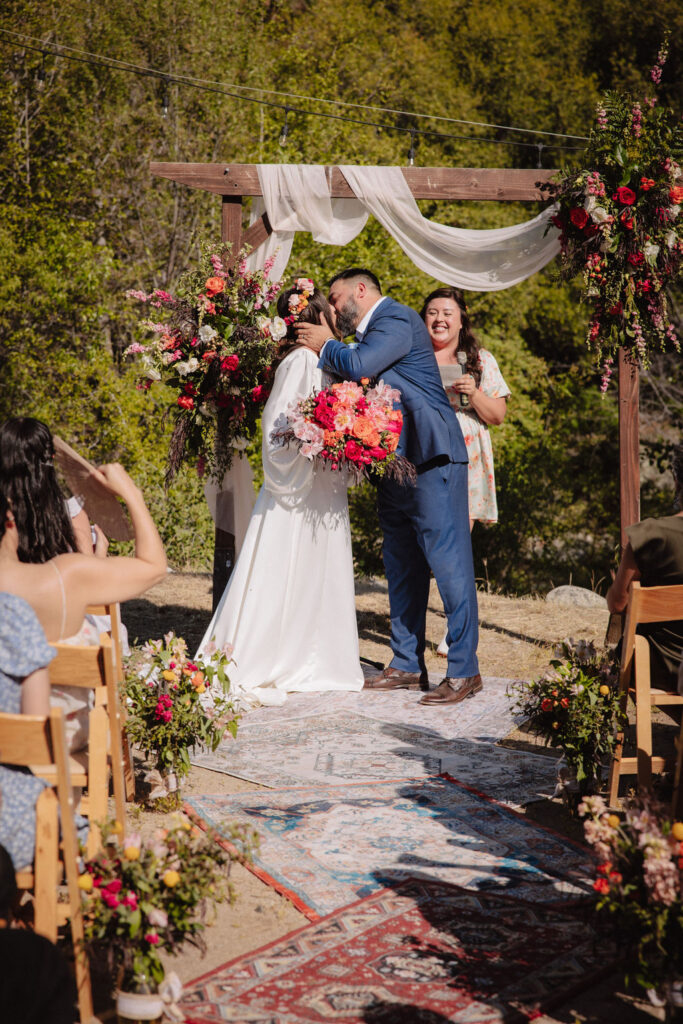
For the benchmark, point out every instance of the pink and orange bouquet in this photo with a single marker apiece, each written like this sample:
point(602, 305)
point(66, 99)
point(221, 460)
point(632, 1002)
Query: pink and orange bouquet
point(350, 426)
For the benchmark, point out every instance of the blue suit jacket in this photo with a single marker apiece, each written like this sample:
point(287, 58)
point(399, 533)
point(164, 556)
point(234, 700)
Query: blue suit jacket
point(396, 348)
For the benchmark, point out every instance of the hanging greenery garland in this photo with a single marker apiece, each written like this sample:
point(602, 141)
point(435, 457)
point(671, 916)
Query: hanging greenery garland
point(620, 226)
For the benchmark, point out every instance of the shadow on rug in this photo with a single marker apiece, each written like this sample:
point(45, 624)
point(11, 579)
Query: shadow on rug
point(327, 846)
point(335, 748)
point(422, 953)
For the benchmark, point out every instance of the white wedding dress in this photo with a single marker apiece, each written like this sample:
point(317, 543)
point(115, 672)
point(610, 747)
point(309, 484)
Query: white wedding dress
point(289, 608)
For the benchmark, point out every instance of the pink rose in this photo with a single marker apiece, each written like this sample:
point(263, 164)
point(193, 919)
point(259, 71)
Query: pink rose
point(114, 885)
point(230, 363)
point(152, 938)
point(353, 451)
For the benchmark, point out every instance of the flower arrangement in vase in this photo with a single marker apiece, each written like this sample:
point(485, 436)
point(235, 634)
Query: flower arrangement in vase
point(620, 225)
point(144, 897)
point(212, 347)
point(575, 706)
point(175, 703)
point(639, 886)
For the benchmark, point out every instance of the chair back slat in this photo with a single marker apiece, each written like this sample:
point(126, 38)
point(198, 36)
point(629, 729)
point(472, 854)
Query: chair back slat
point(25, 740)
point(659, 604)
point(77, 665)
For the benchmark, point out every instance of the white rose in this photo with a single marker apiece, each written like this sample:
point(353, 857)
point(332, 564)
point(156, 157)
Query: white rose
point(598, 214)
point(670, 239)
point(590, 204)
point(190, 366)
point(263, 324)
point(207, 333)
point(675, 210)
point(651, 252)
point(278, 328)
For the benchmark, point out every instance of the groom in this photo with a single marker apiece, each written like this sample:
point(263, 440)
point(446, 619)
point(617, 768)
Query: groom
point(425, 527)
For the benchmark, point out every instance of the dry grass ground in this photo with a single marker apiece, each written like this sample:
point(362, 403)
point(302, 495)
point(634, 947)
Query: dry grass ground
point(516, 640)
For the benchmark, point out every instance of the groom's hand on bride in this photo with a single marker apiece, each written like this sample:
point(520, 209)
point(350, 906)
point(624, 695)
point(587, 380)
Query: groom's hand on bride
point(313, 336)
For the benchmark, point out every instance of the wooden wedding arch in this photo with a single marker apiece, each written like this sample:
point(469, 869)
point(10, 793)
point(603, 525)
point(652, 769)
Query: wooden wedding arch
point(232, 182)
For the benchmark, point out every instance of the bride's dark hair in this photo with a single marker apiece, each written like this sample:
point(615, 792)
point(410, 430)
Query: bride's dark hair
point(29, 484)
point(317, 304)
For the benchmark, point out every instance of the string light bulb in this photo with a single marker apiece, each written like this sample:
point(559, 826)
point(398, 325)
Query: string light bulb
point(40, 73)
point(285, 129)
point(411, 151)
point(165, 101)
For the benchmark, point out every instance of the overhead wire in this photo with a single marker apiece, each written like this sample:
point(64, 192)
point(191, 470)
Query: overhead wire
point(169, 78)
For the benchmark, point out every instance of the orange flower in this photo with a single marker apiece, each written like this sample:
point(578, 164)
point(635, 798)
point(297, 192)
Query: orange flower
point(332, 437)
point(391, 442)
point(676, 194)
point(214, 286)
point(365, 431)
point(364, 381)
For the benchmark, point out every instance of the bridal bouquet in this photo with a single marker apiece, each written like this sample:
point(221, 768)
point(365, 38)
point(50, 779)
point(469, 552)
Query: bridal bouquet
point(350, 426)
point(212, 347)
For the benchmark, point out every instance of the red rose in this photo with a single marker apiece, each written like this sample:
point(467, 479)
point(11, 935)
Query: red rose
point(378, 453)
point(626, 219)
point(601, 885)
point(114, 885)
point(624, 195)
point(185, 402)
point(546, 704)
point(353, 451)
point(646, 184)
point(616, 310)
point(578, 217)
point(230, 363)
point(558, 222)
point(636, 259)
point(259, 393)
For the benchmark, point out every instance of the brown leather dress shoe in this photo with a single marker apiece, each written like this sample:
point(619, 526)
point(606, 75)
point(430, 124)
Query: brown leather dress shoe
point(397, 679)
point(452, 691)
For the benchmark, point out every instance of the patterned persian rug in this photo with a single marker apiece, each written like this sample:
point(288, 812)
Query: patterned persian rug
point(422, 953)
point(327, 846)
point(337, 748)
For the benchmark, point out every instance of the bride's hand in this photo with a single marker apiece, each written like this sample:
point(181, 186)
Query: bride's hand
point(313, 336)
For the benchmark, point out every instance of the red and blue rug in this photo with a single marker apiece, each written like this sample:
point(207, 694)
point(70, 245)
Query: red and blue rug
point(421, 953)
point(325, 847)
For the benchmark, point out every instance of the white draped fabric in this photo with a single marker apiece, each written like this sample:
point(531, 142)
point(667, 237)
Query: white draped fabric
point(296, 198)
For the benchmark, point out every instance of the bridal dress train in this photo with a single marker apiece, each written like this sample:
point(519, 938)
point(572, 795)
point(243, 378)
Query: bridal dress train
point(289, 609)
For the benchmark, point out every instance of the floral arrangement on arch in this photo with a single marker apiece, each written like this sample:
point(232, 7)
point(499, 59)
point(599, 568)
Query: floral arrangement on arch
point(620, 226)
point(143, 897)
point(640, 885)
point(167, 712)
point(349, 426)
point(212, 346)
point(575, 706)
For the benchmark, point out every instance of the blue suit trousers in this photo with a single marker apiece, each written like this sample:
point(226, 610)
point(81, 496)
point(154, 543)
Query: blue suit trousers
point(425, 528)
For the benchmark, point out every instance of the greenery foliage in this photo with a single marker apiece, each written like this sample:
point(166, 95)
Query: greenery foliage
point(575, 706)
point(82, 221)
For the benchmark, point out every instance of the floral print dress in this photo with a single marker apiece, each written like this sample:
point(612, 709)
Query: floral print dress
point(481, 479)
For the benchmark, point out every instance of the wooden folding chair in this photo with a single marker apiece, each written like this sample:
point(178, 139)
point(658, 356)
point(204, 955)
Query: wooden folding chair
point(39, 742)
point(92, 668)
point(645, 605)
point(114, 613)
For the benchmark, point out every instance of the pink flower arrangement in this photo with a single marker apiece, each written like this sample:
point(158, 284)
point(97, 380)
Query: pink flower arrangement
point(640, 882)
point(213, 349)
point(351, 426)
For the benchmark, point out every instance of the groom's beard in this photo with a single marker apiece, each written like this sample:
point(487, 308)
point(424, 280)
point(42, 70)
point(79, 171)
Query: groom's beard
point(348, 317)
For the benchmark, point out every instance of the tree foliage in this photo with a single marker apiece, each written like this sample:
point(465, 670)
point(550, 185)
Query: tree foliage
point(82, 220)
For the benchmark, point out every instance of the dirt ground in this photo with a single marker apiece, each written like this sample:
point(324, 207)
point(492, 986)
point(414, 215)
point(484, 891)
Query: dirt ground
point(516, 640)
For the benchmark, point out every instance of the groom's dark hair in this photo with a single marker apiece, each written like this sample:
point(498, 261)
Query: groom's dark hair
point(366, 275)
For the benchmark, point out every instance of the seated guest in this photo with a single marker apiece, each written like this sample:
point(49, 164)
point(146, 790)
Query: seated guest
point(654, 556)
point(47, 526)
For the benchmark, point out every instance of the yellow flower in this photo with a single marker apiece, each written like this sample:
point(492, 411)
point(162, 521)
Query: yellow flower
point(613, 820)
point(604, 691)
point(132, 853)
point(677, 831)
point(200, 689)
point(169, 676)
point(556, 725)
point(170, 878)
point(85, 882)
point(117, 828)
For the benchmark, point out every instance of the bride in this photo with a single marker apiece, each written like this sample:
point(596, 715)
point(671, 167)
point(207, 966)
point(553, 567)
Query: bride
point(289, 609)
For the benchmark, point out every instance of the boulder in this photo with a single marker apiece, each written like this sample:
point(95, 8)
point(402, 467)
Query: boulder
point(580, 597)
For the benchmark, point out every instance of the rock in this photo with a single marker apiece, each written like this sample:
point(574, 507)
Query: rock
point(578, 596)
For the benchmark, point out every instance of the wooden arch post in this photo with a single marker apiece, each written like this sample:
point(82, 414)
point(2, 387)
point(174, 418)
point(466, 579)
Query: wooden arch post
point(234, 181)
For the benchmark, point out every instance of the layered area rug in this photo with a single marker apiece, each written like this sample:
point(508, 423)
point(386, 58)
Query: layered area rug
point(326, 846)
point(342, 747)
point(422, 953)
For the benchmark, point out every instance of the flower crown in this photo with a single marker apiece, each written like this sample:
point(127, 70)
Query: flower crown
point(298, 300)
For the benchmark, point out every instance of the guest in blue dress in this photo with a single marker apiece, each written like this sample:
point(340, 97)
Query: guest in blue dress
point(24, 651)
